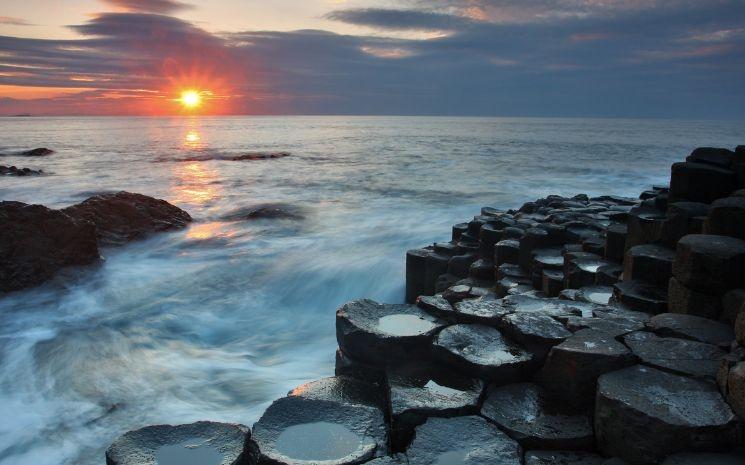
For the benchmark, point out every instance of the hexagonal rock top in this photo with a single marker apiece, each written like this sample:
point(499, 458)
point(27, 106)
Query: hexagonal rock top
point(692, 327)
point(482, 352)
point(680, 356)
point(712, 264)
point(481, 310)
point(467, 440)
point(643, 414)
point(523, 411)
point(204, 442)
point(558, 457)
point(383, 333)
point(536, 331)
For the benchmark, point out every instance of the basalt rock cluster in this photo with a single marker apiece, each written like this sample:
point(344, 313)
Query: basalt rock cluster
point(584, 331)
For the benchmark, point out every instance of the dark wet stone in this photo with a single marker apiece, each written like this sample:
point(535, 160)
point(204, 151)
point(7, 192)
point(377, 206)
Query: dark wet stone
point(595, 294)
point(420, 392)
point(458, 230)
point(460, 265)
point(712, 156)
point(468, 440)
point(201, 443)
point(694, 328)
point(14, 171)
point(555, 457)
point(691, 302)
point(489, 235)
point(345, 390)
point(38, 152)
point(537, 332)
point(641, 296)
point(652, 263)
point(706, 458)
point(733, 303)
point(680, 356)
point(397, 459)
point(615, 241)
point(594, 245)
point(608, 275)
point(740, 328)
point(535, 238)
point(383, 333)
point(124, 216)
point(643, 414)
point(435, 305)
point(270, 211)
point(36, 243)
point(552, 282)
point(507, 251)
point(727, 217)
point(731, 380)
point(423, 269)
point(483, 352)
point(482, 269)
point(446, 248)
point(609, 324)
point(572, 367)
point(347, 366)
point(712, 264)
point(644, 226)
point(699, 182)
point(297, 430)
point(525, 413)
point(457, 293)
point(481, 310)
point(581, 272)
point(680, 221)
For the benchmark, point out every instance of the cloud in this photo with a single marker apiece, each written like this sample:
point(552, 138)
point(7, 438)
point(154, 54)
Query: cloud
point(150, 6)
point(381, 18)
point(9, 20)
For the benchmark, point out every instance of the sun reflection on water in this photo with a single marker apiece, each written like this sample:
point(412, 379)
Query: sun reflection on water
point(195, 183)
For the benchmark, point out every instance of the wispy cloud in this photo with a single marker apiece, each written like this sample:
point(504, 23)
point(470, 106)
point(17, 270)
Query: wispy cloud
point(150, 6)
point(11, 21)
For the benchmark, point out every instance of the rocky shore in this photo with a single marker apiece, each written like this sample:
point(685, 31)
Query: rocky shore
point(571, 331)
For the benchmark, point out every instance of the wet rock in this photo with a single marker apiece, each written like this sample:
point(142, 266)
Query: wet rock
point(204, 442)
point(38, 152)
point(554, 457)
point(552, 282)
point(552, 307)
point(680, 356)
point(37, 242)
point(537, 332)
point(641, 296)
point(699, 182)
point(581, 272)
point(645, 226)
point(608, 275)
point(611, 325)
point(713, 264)
point(649, 262)
point(599, 295)
point(13, 171)
point(460, 265)
point(482, 269)
point(462, 440)
point(733, 303)
point(706, 458)
point(299, 430)
point(572, 367)
point(446, 248)
point(489, 235)
point(420, 392)
point(712, 156)
point(535, 238)
point(525, 413)
point(594, 245)
point(740, 329)
point(727, 217)
point(731, 378)
point(457, 293)
point(423, 268)
point(436, 305)
point(680, 221)
point(383, 334)
point(347, 366)
point(615, 241)
point(643, 414)
point(691, 302)
point(270, 211)
point(694, 328)
point(483, 352)
point(481, 310)
point(124, 216)
point(345, 390)
point(458, 230)
point(507, 251)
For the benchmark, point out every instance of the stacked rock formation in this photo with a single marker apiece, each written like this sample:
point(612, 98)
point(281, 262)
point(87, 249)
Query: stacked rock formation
point(585, 331)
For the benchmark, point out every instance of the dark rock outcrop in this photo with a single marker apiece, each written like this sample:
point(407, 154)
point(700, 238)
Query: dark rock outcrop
point(38, 152)
point(679, 356)
point(14, 171)
point(270, 211)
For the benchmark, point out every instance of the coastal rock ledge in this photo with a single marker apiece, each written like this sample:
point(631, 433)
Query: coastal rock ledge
point(571, 331)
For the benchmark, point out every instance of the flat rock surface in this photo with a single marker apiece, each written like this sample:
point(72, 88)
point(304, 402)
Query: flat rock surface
point(641, 296)
point(468, 440)
point(203, 443)
point(481, 310)
point(384, 333)
point(534, 330)
point(341, 389)
point(524, 412)
point(482, 351)
point(693, 327)
point(297, 430)
point(681, 356)
point(643, 414)
point(557, 457)
point(706, 458)
point(553, 307)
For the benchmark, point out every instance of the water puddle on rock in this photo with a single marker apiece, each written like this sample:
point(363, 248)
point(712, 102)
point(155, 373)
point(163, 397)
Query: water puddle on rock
point(442, 390)
point(317, 441)
point(191, 452)
point(404, 325)
point(598, 297)
point(453, 457)
point(591, 266)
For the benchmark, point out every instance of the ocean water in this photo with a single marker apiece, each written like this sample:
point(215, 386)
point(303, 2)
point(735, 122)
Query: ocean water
point(216, 321)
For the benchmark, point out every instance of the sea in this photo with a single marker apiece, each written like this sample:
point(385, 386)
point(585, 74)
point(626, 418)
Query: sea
point(215, 321)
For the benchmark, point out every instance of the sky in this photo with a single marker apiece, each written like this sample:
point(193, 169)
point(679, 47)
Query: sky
point(542, 58)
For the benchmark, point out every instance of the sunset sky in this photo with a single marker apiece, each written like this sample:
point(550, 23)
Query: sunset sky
point(624, 58)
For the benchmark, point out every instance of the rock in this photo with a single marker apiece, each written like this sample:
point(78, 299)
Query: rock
point(423, 267)
point(537, 332)
point(552, 282)
point(594, 245)
point(347, 366)
point(580, 272)
point(418, 393)
point(297, 430)
point(643, 414)
point(713, 264)
point(481, 310)
point(699, 182)
point(482, 269)
point(13, 171)
point(740, 329)
point(204, 442)
point(681, 220)
point(467, 440)
point(706, 458)
point(572, 367)
point(599, 295)
point(690, 302)
point(712, 156)
point(460, 265)
point(457, 293)
point(641, 296)
point(608, 275)
point(535, 238)
point(694, 328)
point(384, 334)
point(489, 235)
point(507, 251)
point(435, 305)
point(611, 325)
point(552, 307)
point(36, 243)
point(38, 152)
point(397, 459)
point(733, 303)
point(554, 457)
point(270, 211)
point(345, 390)
point(680, 356)
point(525, 413)
point(649, 262)
point(615, 241)
point(458, 230)
point(482, 352)
point(732, 380)
point(124, 216)
point(645, 226)
point(727, 217)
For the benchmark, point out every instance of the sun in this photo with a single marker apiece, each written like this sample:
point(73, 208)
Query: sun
point(190, 99)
